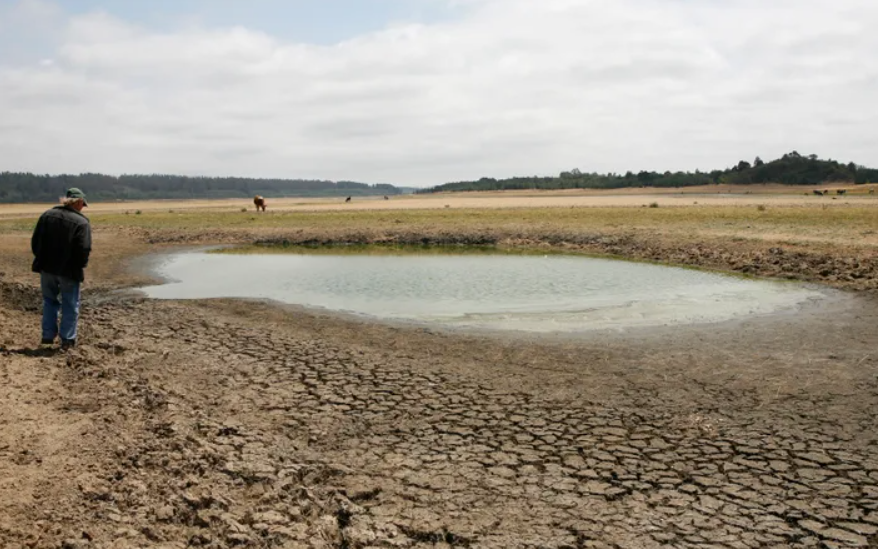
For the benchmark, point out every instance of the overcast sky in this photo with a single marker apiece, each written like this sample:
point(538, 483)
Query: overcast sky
point(421, 92)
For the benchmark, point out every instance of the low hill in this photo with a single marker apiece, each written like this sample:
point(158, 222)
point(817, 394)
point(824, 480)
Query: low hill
point(29, 187)
point(791, 169)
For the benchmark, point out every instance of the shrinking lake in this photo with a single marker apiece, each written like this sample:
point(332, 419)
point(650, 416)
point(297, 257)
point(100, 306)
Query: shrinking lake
point(552, 293)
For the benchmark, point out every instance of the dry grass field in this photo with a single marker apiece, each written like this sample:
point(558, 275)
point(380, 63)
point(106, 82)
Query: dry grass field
point(772, 213)
point(716, 195)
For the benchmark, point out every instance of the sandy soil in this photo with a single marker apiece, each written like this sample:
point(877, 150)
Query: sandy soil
point(728, 195)
point(237, 424)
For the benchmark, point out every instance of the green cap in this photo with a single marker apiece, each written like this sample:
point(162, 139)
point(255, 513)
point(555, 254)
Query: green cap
point(74, 192)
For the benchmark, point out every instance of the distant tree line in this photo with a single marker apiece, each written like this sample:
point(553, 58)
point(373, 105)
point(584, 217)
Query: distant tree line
point(29, 187)
point(791, 169)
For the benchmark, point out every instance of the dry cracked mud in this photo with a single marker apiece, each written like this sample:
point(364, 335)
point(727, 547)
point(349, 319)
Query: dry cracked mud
point(234, 424)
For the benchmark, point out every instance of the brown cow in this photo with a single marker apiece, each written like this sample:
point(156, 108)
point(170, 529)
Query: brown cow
point(259, 202)
point(841, 191)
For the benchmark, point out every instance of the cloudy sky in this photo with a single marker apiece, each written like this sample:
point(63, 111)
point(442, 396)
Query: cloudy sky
point(421, 92)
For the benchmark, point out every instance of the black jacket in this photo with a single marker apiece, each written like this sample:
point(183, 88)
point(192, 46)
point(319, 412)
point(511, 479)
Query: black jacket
point(61, 243)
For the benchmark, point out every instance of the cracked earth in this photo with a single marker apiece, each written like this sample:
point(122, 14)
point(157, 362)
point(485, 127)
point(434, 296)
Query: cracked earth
point(233, 424)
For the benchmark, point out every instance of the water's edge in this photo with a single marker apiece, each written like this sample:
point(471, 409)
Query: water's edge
point(819, 299)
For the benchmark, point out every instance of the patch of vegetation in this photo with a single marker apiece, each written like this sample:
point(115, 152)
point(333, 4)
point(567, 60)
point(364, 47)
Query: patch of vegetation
point(791, 169)
point(509, 227)
point(30, 187)
point(378, 249)
point(547, 219)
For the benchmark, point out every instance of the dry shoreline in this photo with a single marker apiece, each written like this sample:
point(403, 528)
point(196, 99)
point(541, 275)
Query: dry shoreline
point(223, 423)
point(827, 301)
point(833, 266)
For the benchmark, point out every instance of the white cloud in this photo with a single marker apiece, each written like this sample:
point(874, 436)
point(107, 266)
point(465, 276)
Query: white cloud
point(513, 87)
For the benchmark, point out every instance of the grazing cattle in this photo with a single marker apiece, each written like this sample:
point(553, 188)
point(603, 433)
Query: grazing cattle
point(385, 197)
point(348, 199)
point(259, 202)
point(871, 191)
point(841, 191)
point(818, 193)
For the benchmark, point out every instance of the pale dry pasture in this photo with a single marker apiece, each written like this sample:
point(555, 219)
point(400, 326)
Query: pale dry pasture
point(715, 195)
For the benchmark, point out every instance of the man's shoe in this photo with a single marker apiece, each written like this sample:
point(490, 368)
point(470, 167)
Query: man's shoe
point(46, 341)
point(67, 344)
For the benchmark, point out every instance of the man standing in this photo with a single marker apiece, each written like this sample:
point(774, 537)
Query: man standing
point(61, 245)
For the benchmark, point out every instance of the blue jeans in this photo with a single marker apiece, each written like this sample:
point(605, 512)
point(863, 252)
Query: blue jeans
point(59, 293)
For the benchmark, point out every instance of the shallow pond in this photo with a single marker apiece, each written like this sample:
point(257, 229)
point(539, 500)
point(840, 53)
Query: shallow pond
point(519, 292)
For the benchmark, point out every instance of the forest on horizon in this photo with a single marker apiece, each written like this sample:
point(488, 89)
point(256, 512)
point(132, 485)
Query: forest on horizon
point(29, 187)
point(791, 169)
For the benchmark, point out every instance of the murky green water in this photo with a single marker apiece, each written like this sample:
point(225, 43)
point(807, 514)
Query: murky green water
point(532, 293)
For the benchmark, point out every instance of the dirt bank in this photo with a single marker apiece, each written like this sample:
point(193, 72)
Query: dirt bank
point(841, 266)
